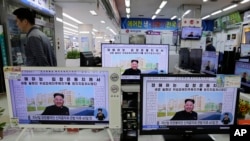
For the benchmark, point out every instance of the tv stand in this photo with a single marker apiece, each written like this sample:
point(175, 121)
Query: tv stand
point(188, 137)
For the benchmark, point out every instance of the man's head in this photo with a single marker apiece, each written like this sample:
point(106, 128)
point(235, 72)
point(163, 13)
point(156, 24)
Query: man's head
point(226, 115)
point(99, 110)
point(244, 75)
point(25, 19)
point(134, 64)
point(189, 105)
point(58, 99)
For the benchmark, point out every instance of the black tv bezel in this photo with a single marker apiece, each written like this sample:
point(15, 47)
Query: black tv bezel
point(135, 81)
point(183, 130)
point(188, 37)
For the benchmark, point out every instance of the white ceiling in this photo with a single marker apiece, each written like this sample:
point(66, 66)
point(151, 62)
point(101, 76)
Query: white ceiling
point(79, 9)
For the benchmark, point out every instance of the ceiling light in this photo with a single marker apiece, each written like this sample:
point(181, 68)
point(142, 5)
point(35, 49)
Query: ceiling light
point(93, 33)
point(76, 27)
point(157, 11)
point(103, 22)
point(65, 31)
point(59, 19)
point(127, 3)
point(216, 12)
point(187, 12)
point(99, 37)
point(94, 30)
point(127, 10)
point(244, 1)
point(128, 16)
point(153, 17)
point(93, 12)
point(230, 7)
point(70, 29)
point(84, 32)
point(173, 17)
point(163, 3)
point(204, 0)
point(203, 18)
point(112, 31)
point(73, 19)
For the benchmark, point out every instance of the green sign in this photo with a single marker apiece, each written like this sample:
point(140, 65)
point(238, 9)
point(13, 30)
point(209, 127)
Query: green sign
point(2, 45)
point(230, 20)
point(217, 25)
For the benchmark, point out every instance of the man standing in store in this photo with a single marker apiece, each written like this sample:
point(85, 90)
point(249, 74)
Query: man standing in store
point(38, 50)
point(209, 45)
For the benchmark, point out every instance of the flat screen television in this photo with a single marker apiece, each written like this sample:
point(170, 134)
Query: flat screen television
point(87, 59)
point(164, 99)
point(191, 33)
point(243, 69)
point(136, 59)
point(184, 58)
point(195, 60)
point(209, 63)
point(243, 113)
point(60, 97)
point(245, 50)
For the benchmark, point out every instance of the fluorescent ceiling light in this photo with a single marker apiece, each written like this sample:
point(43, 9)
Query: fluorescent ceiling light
point(248, 15)
point(93, 12)
point(230, 7)
point(73, 19)
point(153, 17)
point(112, 31)
point(203, 18)
point(244, 1)
point(65, 31)
point(127, 10)
point(93, 33)
point(70, 29)
point(76, 27)
point(173, 17)
point(94, 30)
point(216, 12)
point(99, 37)
point(103, 22)
point(163, 3)
point(157, 11)
point(84, 32)
point(128, 16)
point(204, 0)
point(127, 3)
point(59, 19)
point(187, 12)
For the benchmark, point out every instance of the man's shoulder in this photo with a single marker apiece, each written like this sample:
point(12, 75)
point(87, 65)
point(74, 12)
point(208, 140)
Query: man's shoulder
point(51, 106)
point(64, 107)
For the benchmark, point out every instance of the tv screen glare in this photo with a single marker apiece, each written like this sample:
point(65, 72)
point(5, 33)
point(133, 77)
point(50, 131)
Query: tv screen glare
point(209, 63)
point(243, 69)
point(191, 33)
point(64, 97)
point(195, 59)
point(245, 50)
point(182, 104)
point(136, 59)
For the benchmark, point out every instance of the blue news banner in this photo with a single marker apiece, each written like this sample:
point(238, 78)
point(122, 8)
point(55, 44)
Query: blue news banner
point(238, 132)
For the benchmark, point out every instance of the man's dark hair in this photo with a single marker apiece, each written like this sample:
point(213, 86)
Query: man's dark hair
point(59, 94)
point(99, 109)
point(226, 114)
point(135, 61)
point(25, 13)
point(191, 100)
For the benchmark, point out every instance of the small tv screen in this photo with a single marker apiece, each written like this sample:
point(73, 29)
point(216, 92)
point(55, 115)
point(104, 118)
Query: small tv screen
point(245, 50)
point(183, 104)
point(209, 63)
point(64, 97)
point(184, 58)
point(243, 113)
point(195, 60)
point(136, 59)
point(191, 33)
point(243, 69)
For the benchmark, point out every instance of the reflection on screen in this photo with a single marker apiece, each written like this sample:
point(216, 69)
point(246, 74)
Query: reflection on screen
point(243, 69)
point(245, 50)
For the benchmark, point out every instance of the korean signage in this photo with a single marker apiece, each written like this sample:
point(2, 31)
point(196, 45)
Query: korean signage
point(230, 20)
point(47, 6)
point(157, 24)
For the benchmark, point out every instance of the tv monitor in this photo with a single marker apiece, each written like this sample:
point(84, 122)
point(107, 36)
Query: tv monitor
point(245, 50)
point(184, 58)
point(209, 63)
point(60, 97)
point(87, 59)
point(136, 59)
point(191, 33)
point(195, 60)
point(163, 100)
point(243, 113)
point(243, 69)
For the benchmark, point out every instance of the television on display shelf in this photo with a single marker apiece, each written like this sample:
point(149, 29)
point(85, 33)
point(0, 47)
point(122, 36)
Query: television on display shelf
point(195, 60)
point(185, 105)
point(209, 63)
point(184, 57)
point(136, 59)
point(243, 69)
point(245, 50)
point(60, 97)
point(191, 33)
point(87, 59)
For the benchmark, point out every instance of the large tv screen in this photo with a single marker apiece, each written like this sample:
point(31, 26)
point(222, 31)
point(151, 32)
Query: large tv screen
point(136, 59)
point(209, 63)
point(182, 104)
point(245, 50)
point(191, 33)
point(243, 69)
point(64, 97)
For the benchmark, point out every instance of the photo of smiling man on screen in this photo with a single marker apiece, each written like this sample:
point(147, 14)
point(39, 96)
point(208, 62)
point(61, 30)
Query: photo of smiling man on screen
point(187, 113)
point(134, 69)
